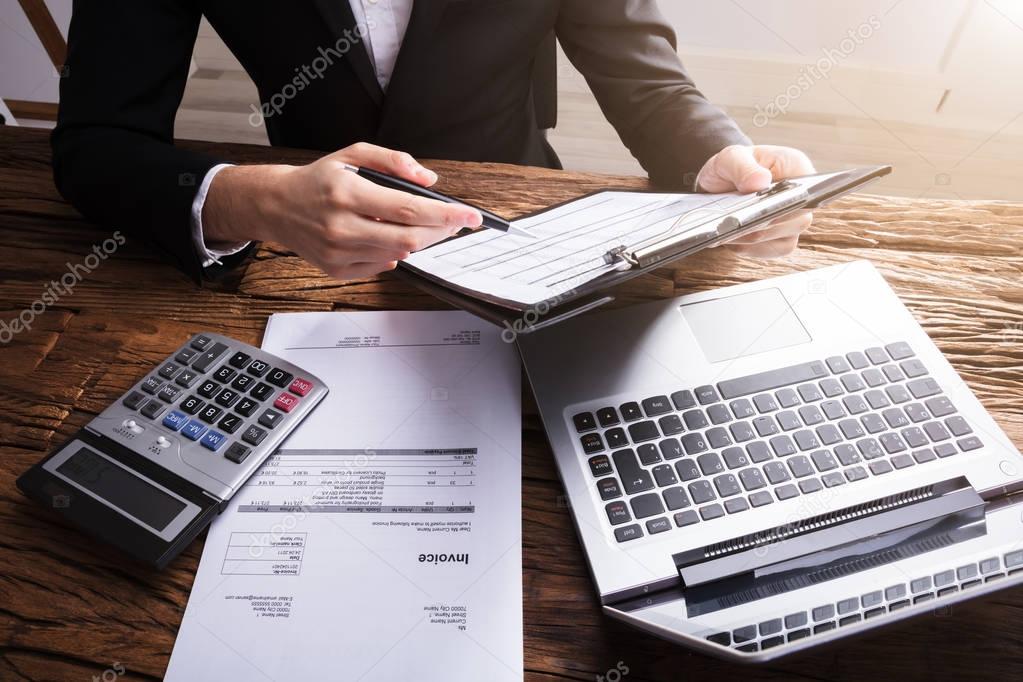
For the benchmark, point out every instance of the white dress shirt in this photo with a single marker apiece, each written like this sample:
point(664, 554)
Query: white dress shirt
point(386, 22)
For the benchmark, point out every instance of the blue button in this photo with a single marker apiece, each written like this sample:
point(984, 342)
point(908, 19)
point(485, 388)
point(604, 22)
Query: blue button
point(193, 430)
point(175, 420)
point(213, 440)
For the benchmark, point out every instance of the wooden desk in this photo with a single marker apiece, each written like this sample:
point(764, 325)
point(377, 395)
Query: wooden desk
point(70, 610)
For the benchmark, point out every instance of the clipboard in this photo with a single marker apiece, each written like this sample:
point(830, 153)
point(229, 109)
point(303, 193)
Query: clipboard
point(627, 261)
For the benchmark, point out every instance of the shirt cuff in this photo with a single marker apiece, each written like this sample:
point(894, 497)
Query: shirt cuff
point(208, 256)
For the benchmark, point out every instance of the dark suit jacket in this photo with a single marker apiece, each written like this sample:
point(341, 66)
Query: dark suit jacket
point(474, 81)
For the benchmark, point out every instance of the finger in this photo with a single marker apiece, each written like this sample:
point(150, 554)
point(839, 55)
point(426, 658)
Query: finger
point(783, 162)
point(387, 160)
point(776, 248)
point(391, 238)
point(734, 168)
point(789, 226)
point(372, 200)
point(362, 270)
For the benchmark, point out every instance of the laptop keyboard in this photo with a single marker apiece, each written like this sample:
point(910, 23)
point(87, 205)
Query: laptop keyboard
point(857, 608)
point(700, 454)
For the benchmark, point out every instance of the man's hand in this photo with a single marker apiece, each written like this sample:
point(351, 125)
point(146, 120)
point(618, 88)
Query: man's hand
point(751, 169)
point(344, 224)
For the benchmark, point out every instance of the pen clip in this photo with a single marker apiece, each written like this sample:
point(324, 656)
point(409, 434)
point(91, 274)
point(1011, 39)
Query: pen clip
point(620, 256)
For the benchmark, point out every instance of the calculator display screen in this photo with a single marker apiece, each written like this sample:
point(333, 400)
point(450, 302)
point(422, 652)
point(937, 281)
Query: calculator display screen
point(121, 488)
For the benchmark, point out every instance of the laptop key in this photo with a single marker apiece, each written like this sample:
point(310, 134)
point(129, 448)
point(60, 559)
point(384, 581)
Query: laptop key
point(914, 437)
point(871, 599)
point(853, 474)
point(710, 464)
point(965, 444)
point(656, 406)
point(670, 424)
point(776, 472)
point(940, 406)
point(850, 620)
point(847, 454)
point(693, 443)
point(592, 442)
point(695, 420)
point(584, 422)
point(608, 488)
point(902, 461)
point(923, 387)
point(686, 518)
point(735, 457)
point(741, 432)
point(873, 423)
point(631, 412)
point(852, 382)
point(687, 470)
point(869, 448)
point(898, 394)
point(787, 397)
point(810, 485)
point(765, 426)
point(837, 364)
point(785, 492)
point(727, 485)
point(857, 360)
point(920, 584)
point(722, 638)
point(758, 451)
point(958, 426)
point(810, 415)
point(876, 399)
point(823, 612)
point(788, 421)
point(879, 467)
point(664, 475)
point(675, 498)
point(717, 437)
point(648, 454)
point(626, 533)
point(670, 448)
point(924, 455)
point(855, 404)
point(824, 460)
point(895, 417)
point(765, 403)
point(809, 393)
point(654, 526)
point(892, 443)
point(770, 627)
point(823, 627)
point(741, 408)
point(617, 512)
point(773, 379)
point(917, 413)
point(683, 400)
point(646, 505)
point(616, 438)
point(635, 478)
point(752, 479)
point(706, 395)
point(734, 505)
point(828, 434)
point(719, 414)
point(607, 416)
point(945, 450)
point(936, 431)
point(701, 491)
point(833, 480)
point(806, 440)
point(899, 350)
point(711, 511)
point(848, 606)
point(831, 387)
point(643, 431)
point(760, 498)
point(782, 446)
point(800, 466)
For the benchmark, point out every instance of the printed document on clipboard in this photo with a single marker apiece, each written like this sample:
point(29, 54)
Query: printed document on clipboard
point(383, 540)
point(589, 244)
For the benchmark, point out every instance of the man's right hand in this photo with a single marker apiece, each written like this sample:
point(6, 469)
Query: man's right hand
point(344, 224)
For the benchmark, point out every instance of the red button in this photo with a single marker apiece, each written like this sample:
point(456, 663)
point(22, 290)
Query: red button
point(285, 402)
point(301, 386)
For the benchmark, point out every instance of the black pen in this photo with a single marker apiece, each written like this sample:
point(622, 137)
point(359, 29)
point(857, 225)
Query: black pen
point(491, 221)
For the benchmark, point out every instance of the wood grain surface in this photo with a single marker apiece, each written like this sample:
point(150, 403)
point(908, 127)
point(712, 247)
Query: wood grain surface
point(69, 610)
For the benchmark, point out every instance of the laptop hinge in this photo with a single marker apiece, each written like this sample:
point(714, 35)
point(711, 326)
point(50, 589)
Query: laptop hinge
point(749, 553)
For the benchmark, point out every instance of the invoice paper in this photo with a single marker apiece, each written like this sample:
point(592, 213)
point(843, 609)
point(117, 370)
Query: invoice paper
point(383, 541)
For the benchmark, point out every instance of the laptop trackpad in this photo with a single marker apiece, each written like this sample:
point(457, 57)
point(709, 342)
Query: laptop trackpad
point(736, 326)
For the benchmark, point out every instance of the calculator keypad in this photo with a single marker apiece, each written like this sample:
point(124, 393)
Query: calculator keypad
point(219, 397)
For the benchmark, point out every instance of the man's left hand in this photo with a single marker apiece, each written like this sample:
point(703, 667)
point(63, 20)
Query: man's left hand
point(751, 169)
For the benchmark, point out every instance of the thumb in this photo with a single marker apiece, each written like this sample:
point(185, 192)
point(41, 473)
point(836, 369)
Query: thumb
point(734, 168)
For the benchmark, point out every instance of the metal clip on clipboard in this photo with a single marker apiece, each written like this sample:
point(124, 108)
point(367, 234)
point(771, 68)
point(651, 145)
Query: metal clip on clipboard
point(738, 220)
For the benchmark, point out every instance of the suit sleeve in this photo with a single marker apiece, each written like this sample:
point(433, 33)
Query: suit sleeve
point(626, 50)
point(114, 157)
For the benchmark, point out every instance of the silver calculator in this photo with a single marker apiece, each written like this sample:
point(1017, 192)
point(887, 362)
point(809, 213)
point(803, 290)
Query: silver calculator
point(155, 467)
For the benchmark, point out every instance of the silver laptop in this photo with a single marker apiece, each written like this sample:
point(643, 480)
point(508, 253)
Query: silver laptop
point(768, 467)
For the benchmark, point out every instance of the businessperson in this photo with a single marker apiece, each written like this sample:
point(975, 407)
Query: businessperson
point(374, 83)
